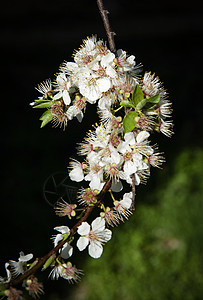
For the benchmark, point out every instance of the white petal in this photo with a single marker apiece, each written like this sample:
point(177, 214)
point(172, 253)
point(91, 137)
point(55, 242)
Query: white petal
point(127, 200)
point(25, 257)
point(84, 228)
point(107, 59)
point(104, 84)
point(111, 72)
point(137, 179)
point(8, 272)
point(66, 97)
point(82, 243)
point(76, 174)
point(80, 116)
point(57, 239)
point(107, 235)
point(62, 229)
point(116, 186)
point(130, 138)
point(90, 91)
point(98, 224)
point(95, 250)
point(143, 135)
point(129, 168)
point(67, 251)
point(58, 96)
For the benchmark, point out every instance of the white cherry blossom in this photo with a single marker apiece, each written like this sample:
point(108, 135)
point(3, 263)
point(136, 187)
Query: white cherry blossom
point(94, 236)
point(66, 250)
point(63, 86)
point(20, 266)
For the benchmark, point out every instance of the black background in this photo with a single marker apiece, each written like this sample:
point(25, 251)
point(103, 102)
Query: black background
point(36, 37)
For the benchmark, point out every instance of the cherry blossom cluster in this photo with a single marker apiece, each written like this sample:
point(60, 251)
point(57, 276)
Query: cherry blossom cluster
point(117, 153)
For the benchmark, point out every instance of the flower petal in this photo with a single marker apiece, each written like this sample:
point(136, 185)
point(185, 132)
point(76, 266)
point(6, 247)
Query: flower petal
point(95, 250)
point(67, 251)
point(107, 235)
point(143, 135)
point(66, 97)
point(84, 228)
point(62, 229)
point(76, 174)
point(98, 224)
point(82, 243)
point(25, 257)
point(104, 84)
point(57, 239)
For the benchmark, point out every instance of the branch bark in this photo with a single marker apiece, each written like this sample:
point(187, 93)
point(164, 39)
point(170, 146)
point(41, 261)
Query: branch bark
point(109, 32)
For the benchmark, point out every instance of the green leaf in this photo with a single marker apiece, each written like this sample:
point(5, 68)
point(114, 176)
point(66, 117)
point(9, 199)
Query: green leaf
point(127, 104)
point(141, 104)
point(46, 118)
point(41, 100)
point(149, 106)
point(129, 121)
point(137, 95)
point(154, 99)
point(44, 105)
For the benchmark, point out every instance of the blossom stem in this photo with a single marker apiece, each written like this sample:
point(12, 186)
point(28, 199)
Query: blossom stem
point(109, 32)
point(41, 261)
point(118, 109)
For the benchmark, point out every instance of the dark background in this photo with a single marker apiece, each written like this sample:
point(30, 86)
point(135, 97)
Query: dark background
point(36, 37)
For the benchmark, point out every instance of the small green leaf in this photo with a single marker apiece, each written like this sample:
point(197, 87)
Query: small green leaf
point(137, 95)
point(127, 104)
point(154, 99)
point(46, 118)
point(129, 121)
point(44, 105)
point(141, 104)
point(41, 100)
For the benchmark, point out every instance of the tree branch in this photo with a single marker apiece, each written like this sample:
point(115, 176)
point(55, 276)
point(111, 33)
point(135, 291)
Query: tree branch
point(109, 32)
point(41, 261)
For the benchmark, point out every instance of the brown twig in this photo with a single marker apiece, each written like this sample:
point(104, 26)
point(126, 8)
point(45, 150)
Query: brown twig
point(109, 32)
point(41, 261)
point(133, 192)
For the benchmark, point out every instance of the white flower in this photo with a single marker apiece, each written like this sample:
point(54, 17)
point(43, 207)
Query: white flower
point(107, 62)
point(152, 85)
point(94, 236)
point(66, 271)
point(74, 111)
point(91, 86)
point(95, 176)
point(166, 127)
point(20, 266)
point(44, 88)
point(125, 64)
point(63, 86)
point(67, 250)
point(123, 206)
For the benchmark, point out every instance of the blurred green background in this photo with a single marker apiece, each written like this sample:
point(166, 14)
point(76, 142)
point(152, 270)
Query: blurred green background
point(157, 254)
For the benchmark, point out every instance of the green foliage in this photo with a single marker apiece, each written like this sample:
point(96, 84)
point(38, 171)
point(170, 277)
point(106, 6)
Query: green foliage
point(158, 253)
point(129, 121)
point(44, 104)
point(46, 118)
point(137, 95)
